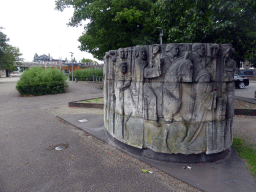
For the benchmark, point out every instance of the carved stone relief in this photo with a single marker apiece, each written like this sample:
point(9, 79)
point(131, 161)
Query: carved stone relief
point(172, 98)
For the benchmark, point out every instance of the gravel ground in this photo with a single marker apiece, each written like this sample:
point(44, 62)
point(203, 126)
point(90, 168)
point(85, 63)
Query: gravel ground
point(244, 127)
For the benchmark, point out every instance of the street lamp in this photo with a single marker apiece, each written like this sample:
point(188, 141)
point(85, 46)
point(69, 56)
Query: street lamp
point(161, 34)
point(72, 64)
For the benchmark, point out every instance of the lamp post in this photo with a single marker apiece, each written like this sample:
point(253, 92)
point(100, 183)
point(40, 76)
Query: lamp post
point(72, 64)
point(161, 34)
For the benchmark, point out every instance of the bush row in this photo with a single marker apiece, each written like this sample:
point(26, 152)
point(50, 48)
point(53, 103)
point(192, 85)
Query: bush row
point(87, 74)
point(41, 88)
point(39, 81)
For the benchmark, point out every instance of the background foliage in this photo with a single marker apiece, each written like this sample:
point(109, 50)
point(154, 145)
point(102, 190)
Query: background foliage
point(122, 23)
point(211, 21)
point(88, 61)
point(40, 81)
point(113, 23)
point(8, 54)
point(86, 74)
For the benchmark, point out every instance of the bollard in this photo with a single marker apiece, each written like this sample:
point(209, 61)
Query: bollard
point(76, 79)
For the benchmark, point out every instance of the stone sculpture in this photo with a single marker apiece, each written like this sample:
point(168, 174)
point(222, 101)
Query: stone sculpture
point(172, 99)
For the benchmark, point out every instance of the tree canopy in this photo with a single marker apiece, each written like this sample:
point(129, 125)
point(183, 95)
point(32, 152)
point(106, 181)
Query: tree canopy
point(122, 23)
point(88, 61)
point(3, 42)
point(8, 53)
point(11, 54)
point(211, 21)
point(113, 23)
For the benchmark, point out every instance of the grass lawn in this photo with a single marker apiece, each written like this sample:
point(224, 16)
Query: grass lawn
point(96, 101)
point(246, 152)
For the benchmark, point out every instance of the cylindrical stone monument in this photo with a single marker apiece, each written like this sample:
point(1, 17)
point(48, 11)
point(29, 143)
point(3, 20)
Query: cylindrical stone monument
point(172, 101)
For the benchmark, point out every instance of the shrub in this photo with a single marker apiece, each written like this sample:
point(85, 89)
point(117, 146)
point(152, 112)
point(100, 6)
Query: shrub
point(86, 74)
point(39, 81)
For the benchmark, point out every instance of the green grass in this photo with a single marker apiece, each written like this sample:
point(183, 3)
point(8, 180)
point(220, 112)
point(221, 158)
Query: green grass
point(247, 152)
point(98, 101)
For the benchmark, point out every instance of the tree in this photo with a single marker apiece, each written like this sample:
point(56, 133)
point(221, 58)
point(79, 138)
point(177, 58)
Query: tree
point(3, 42)
point(122, 23)
point(87, 60)
point(113, 23)
point(8, 54)
point(210, 21)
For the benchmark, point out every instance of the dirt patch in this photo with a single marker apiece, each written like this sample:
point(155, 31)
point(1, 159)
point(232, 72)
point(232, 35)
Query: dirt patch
point(244, 105)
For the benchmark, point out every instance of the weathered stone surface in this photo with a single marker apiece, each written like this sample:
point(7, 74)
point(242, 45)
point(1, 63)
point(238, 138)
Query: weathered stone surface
point(173, 98)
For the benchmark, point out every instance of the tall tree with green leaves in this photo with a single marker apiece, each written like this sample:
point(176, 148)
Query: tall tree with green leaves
point(122, 23)
point(113, 23)
point(210, 21)
point(8, 54)
point(3, 42)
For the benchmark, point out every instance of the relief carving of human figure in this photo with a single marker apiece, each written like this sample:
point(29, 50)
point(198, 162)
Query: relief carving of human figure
point(154, 70)
point(230, 68)
point(138, 77)
point(171, 90)
point(205, 103)
point(120, 81)
point(172, 53)
point(180, 71)
point(153, 96)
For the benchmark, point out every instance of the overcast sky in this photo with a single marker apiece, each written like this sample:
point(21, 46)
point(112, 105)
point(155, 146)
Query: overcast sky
point(35, 27)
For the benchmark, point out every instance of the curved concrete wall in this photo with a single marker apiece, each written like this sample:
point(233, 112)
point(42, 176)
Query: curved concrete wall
point(172, 98)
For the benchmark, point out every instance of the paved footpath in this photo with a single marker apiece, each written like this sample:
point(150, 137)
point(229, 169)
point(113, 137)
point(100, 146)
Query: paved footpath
point(30, 133)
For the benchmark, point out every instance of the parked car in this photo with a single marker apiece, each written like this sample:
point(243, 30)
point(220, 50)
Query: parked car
point(246, 73)
point(241, 82)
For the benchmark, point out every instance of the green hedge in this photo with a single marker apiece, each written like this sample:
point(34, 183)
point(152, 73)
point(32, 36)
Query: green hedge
point(39, 81)
point(87, 74)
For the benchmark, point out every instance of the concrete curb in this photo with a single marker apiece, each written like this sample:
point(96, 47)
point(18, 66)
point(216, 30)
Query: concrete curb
point(85, 105)
point(250, 112)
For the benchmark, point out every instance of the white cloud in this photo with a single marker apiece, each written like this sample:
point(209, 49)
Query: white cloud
point(35, 27)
